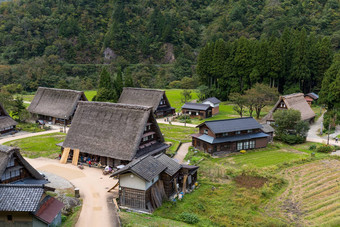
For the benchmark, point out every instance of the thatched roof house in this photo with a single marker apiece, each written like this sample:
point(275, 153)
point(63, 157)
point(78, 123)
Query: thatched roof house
point(14, 168)
point(294, 101)
point(119, 132)
point(55, 105)
point(147, 97)
point(7, 124)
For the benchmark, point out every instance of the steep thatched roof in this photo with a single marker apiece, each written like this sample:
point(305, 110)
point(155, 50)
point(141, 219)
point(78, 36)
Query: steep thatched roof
point(141, 96)
point(5, 120)
point(56, 102)
point(6, 154)
point(109, 129)
point(294, 101)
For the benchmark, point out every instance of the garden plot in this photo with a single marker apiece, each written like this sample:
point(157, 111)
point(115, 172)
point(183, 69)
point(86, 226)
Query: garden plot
point(312, 195)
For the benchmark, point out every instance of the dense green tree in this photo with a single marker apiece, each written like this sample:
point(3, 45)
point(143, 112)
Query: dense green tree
point(239, 102)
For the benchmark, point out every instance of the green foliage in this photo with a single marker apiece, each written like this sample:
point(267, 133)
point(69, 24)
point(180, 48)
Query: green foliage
point(312, 147)
point(188, 218)
point(325, 148)
point(186, 96)
point(288, 126)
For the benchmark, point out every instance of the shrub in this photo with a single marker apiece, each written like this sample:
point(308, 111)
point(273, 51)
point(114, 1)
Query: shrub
point(188, 218)
point(312, 147)
point(325, 148)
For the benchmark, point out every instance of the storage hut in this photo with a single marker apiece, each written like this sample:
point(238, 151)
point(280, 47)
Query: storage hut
point(55, 105)
point(112, 134)
point(15, 169)
point(311, 97)
point(214, 103)
point(148, 97)
point(28, 205)
point(293, 101)
point(7, 124)
point(269, 130)
point(170, 175)
point(197, 110)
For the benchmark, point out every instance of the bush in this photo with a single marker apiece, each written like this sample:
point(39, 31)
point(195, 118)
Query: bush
point(188, 218)
point(292, 139)
point(312, 147)
point(325, 148)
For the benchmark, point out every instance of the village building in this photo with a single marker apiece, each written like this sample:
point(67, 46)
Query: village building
point(28, 205)
point(214, 103)
point(55, 106)
point(197, 110)
point(14, 169)
point(311, 97)
point(112, 134)
point(148, 97)
point(269, 130)
point(295, 102)
point(229, 135)
point(146, 182)
point(7, 124)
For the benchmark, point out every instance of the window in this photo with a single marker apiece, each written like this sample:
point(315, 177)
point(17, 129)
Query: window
point(239, 146)
point(225, 134)
point(252, 144)
point(246, 145)
point(9, 218)
point(206, 131)
point(145, 139)
point(151, 136)
point(250, 130)
point(238, 132)
point(197, 113)
point(226, 147)
point(11, 162)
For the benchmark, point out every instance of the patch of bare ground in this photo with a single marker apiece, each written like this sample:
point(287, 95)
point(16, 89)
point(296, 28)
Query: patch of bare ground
point(250, 181)
point(312, 195)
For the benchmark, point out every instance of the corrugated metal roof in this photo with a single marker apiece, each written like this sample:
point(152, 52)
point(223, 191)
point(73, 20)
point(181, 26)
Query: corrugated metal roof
point(232, 125)
point(213, 100)
point(195, 106)
point(226, 139)
point(49, 210)
point(20, 197)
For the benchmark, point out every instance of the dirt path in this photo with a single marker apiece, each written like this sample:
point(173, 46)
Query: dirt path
point(182, 152)
point(15, 136)
point(97, 207)
point(162, 121)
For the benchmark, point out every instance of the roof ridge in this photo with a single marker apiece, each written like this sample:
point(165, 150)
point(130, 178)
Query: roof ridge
point(144, 89)
point(22, 185)
point(118, 105)
point(229, 119)
point(59, 89)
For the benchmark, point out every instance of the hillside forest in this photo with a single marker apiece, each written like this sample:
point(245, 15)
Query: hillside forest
point(220, 46)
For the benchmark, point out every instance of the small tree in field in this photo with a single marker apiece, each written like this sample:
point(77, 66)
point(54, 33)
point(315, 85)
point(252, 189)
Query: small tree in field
point(186, 95)
point(239, 103)
point(289, 127)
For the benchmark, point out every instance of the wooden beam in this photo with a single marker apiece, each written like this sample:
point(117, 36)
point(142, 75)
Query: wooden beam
point(64, 157)
point(75, 157)
point(113, 186)
point(184, 183)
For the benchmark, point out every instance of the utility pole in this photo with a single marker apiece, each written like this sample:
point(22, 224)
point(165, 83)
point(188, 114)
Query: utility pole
point(185, 116)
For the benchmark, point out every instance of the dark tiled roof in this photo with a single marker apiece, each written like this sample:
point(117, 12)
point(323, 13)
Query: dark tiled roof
point(213, 100)
point(232, 125)
point(172, 165)
point(226, 139)
point(49, 210)
point(195, 106)
point(24, 198)
point(147, 168)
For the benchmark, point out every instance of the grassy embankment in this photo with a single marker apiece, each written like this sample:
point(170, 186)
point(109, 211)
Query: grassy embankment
point(238, 189)
point(39, 146)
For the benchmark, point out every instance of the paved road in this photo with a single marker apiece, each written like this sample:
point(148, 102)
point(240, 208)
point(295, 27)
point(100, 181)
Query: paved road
point(161, 121)
point(182, 152)
point(97, 207)
point(313, 134)
point(15, 136)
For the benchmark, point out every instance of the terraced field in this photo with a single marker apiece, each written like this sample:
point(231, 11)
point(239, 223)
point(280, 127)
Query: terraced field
point(312, 197)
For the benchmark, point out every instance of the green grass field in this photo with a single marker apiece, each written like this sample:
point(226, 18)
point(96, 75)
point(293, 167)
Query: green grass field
point(174, 146)
point(179, 133)
point(141, 220)
point(39, 146)
point(175, 97)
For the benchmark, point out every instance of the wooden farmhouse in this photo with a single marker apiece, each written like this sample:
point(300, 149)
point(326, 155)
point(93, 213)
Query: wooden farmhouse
point(214, 103)
point(146, 182)
point(229, 135)
point(197, 110)
point(112, 134)
point(311, 97)
point(148, 97)
point(7, 124)
point(28, 205)
point(293, 101)
point(14, 169)
point(55, 105)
